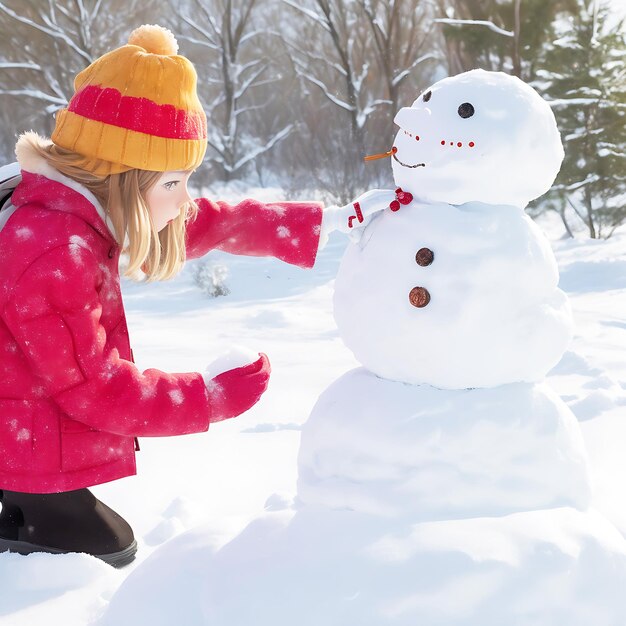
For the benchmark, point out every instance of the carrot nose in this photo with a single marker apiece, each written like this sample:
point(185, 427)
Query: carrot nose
point(374, 157)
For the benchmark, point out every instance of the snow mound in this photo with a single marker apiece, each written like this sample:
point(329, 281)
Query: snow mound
point(396, 450)
point(541, 568)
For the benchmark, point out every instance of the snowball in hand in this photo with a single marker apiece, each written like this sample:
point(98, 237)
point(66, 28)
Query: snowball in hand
point(459, 288)
point(477, 137)
point(236, 357)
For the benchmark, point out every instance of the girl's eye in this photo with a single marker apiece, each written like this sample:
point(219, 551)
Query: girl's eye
point(170, 185)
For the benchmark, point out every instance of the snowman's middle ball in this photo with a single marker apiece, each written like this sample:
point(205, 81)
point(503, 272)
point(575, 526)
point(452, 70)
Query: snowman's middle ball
point(493, 314)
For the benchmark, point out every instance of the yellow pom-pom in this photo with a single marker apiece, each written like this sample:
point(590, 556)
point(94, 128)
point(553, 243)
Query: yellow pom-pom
point(154, 39)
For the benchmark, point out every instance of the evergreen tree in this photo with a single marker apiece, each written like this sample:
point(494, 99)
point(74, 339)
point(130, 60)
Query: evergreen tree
point(498, 35)
point(584, 76)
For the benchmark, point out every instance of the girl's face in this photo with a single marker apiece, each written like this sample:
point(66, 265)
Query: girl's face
point(167, 196)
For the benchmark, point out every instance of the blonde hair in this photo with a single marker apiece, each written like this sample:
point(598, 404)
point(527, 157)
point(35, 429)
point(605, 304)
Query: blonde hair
point(159, 255)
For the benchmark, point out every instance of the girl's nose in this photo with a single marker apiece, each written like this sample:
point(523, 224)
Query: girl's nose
point(187, 197)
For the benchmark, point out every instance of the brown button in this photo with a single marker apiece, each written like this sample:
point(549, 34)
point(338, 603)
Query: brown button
point(424, 257)
point(419, 297)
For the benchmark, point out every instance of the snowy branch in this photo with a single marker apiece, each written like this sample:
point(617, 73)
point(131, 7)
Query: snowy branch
point(249, 82)
point(261, 149)
point(54, 33)
point(252, 107)
point(212, 81)
point(407, 72)
point(34, 93)
point(369, 109)
point(217, 145)
point(311, 14)
point(219, 99)
point(592, 178)
point(358, 80)
point(207, 42)
point(487, 23)
point(575, 101)
point(309, 54)
point(240, 69)
point(199, 42)
point(252, 34)
point(27, 66)
point(334, 99)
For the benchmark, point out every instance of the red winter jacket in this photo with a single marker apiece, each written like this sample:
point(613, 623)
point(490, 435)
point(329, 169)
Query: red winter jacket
point(71, 399)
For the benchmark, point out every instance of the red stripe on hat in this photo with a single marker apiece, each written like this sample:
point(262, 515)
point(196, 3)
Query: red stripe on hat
point(108, 105)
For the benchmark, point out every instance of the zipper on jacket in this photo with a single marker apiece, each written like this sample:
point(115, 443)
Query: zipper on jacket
point(137, 448)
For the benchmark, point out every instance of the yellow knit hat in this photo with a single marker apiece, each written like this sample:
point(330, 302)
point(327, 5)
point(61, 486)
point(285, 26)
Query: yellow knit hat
point(136, 108)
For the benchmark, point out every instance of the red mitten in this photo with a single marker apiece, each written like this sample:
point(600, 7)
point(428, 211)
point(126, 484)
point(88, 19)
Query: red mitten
point(235, 391)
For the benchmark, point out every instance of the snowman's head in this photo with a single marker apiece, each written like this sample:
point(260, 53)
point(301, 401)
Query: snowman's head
point(478, 136)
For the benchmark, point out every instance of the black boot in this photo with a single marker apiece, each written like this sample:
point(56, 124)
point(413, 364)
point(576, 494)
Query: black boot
point(71, 521)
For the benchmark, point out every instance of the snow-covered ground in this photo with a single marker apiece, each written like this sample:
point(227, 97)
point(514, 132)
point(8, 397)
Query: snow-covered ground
point(217, 482)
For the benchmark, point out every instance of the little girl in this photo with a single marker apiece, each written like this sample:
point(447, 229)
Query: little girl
point(114, 178)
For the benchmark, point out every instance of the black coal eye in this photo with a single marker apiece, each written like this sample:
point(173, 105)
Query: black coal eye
point(427, 96)
point(466, 110)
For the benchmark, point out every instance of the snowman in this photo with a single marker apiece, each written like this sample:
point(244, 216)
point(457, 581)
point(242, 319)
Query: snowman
point(458, 287)
point(442, 482)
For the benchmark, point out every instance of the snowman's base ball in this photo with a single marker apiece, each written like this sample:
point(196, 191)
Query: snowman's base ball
point(413, 451)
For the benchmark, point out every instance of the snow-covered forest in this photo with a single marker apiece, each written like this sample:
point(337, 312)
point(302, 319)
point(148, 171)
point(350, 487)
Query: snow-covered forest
point(297, 92)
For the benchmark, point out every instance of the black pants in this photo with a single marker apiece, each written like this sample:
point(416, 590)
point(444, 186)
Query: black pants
point(71, 521)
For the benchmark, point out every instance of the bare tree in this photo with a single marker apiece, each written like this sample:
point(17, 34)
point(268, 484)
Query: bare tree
point(47, 43)
point(358, 56)
point(402, 41)
point(341, 93)
point(224, 33)
point(346, 63)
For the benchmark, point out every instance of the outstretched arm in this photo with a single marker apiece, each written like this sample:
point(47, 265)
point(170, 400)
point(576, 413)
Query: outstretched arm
point(289, 231)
